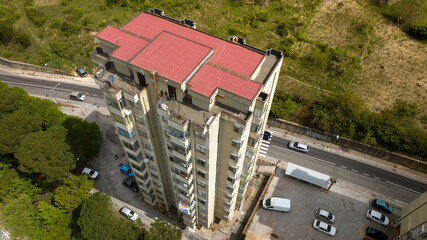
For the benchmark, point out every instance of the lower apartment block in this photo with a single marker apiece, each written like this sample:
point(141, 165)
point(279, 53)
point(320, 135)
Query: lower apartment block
point(190, 109)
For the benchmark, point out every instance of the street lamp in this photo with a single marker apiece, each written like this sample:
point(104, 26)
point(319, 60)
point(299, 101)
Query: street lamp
point(52, 94)
point(333, 180)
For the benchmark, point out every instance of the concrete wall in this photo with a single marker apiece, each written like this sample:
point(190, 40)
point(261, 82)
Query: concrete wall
point(26, 66)
point(347, 143)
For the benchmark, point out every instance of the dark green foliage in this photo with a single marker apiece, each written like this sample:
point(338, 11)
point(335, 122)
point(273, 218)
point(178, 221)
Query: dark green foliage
point(282, 29)
point(160, 229)
point(284, 45)
point(405, 109)
point(282, 105)
point(19, 186)
point(73, 191)
point(97, 220)
point(33, 14)
point(236, 30)
point(60, 48)
point(236, 3)
point(56, 23)
point(69, 28)
point(256, 16)
point(53, 223)
point(83, 137)
point(46, 154)
point(7, 175)
point(7, 18)
point(410, 15)
point(24, 40)
point(7, 53)
point(8, 100)
point(338, 61)
point(23, 123)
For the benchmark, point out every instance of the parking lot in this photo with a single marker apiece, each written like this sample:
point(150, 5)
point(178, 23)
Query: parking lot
point(349, 208)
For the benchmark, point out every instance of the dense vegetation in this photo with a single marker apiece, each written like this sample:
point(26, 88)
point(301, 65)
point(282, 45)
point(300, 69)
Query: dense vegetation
point(59, 34)
point(347, 115)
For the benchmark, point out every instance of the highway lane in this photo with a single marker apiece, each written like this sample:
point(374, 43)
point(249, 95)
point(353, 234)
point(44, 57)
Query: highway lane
point(349, 167)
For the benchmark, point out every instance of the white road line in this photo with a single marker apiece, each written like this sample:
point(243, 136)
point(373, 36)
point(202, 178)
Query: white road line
point(38, 86)
point(344, 167)
point(354, 170)
point(377, 178)
point(304, 155)
point(365, 174)
point(263, 148)
point(265, 144)
point(262, 155)
point(5, 233)
point(263, 152)
point(394, 184)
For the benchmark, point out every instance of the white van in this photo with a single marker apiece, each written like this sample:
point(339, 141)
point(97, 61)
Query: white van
point(278, 204)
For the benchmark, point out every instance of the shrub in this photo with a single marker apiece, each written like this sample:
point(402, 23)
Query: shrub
point(7, 53)
point(284, 45)
point(6, 31)
point(341, 61)
point(23, 39)
point(236, 3)
point(235, 30)
point(282, 105)
point(282, 29)
point(69, 28)
point(33, 14)
point(256, 16)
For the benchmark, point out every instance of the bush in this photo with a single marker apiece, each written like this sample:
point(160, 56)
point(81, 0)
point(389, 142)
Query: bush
point(69, 28)
point(256, 16)
point(7, 53)
point(23, 39)
point(236, 3)
point(282, 105)
point(341, 61)
point(6, 31)
point(235, 30)
point(33, 14)
point(282, 29)
point(285, 46)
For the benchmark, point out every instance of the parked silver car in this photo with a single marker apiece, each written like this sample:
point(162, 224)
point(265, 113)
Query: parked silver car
point(90, 173)
point(129, 214)
point(325, 215)
point(377, 217)
point(77, 96)
point(324, 227)
point(299, 146)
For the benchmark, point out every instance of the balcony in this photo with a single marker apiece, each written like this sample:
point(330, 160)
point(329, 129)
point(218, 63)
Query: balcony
point(98, 56)
point(233, 163)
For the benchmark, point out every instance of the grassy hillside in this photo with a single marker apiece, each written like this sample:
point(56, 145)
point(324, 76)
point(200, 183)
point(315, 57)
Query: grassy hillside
point(329, 45)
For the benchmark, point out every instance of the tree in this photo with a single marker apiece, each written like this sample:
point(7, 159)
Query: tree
point(15, 127)
point(160, 229)
point(98, 221)
point(83, 137)
point(73, 191)
point(19, 186)
point(19, 216)
point(8, 100)
point(45, 153)
point(282, 105)
point(53, 223)
point(7, 174)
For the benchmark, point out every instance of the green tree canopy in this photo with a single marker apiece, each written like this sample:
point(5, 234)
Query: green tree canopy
point(19, 186)
point(98, 221)
point(7, 174)
point(73, 191)
point(8, 100)
point(282, 105)
point(83, 137)
point(45, 153)
point(15, 127)
point(53, 223)
point(160, 229)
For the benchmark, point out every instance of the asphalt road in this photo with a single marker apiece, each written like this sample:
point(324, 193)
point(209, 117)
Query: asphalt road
point(379, 180)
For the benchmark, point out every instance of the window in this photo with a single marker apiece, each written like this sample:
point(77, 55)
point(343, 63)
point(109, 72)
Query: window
point(200, 148)
point(118, 118)
point(199, 135)
point(229, 189)
point(181, 150)
point(142, 132)
point(135, 105)
point(149, 156)
point(236, 143)
point(249, 154)
point(178, 161)
point(122, 103)
point(167, 132)
point(238, 129)
point(125, 133)
point(258, 112)
point(112, 102)
point(202, 209)
point(139, 119)
point(164, 119)
point(169, 146)
point(201, 193)
point(155, 176)
point(232, 180)
point(201, 174)
point(201, 162)
point(131, 156)
point(234, 156)
point(142, 168)
point(254, 127)
point(201, 183)
point(146, 145)
point(251, 142)
point(178, 134)
point(232, 169)
point(129, 146)
point(152, 166)
point(201, 201)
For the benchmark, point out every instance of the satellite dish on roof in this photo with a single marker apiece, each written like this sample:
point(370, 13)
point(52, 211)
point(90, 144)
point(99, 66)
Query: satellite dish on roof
point(110, 78)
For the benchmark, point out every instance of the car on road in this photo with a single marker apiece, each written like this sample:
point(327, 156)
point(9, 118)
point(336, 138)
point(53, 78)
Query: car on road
point(129, 214)
point(324, 227)
point(381, 205)
point(266, 135)
point(77, 96)
point(90, 173)
point(377, 217)
point(277, 204)
point(81, 72)
point(298, 146)
point(376, 234)
point(325, 215)
point(126, 170)
point(128, 182)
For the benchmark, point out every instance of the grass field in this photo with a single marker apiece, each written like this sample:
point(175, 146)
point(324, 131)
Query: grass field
point(329, 45)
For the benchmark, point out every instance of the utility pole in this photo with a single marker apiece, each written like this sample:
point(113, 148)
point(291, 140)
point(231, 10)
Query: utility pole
point(52, 94)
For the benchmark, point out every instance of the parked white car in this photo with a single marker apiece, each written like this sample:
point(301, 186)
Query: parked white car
point(325, 215)
point(377, 217)
point(302, 147)
point(90, 173)
point(77, 96)
point(277, 204)
point(324, 227)
point(129, 214)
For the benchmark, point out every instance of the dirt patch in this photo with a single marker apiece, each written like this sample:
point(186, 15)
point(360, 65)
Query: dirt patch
point(393, 65)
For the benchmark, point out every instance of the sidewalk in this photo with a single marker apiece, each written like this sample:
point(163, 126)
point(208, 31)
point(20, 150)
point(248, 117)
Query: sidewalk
point(354, 155)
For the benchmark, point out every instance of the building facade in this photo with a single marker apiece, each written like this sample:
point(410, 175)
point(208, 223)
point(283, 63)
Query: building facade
point(189, 108)
point(413, 222)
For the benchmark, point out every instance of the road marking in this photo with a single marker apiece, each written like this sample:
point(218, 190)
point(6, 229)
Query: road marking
point(5, 233)
point(394, 184)
point(344, 167)
point(377, 178)
point(262, 155)
point(304, 155)
point(38, 86)
point(354, 170)
point(263, 152)
point(265, 144)
point(366, 174)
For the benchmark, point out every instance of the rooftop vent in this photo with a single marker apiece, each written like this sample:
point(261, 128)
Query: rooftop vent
point(274, 52)
point(157, 11)
point(236, 39)
point(111, 78)
point(188, 22)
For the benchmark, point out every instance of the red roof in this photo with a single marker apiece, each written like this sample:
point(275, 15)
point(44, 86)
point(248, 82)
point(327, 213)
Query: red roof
point(175, 51)
point(210, 78)
point(171, 56)
point(128, 45)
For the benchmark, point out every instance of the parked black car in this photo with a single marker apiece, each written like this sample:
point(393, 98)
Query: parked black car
point(375, 234)
point(128, 182)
